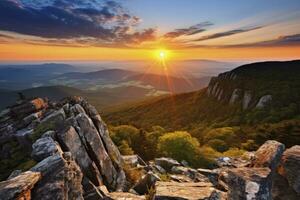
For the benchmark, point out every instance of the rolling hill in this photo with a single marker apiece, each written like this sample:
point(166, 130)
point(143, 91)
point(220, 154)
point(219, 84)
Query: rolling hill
point(266, 92)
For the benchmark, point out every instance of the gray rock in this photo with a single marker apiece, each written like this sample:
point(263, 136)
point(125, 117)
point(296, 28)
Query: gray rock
point(268, 155)
point(77, 109)
point(290, 167)
point(111, 148)
point(19, 187)
point(263, 101)
point(246, 99)
point(235, 95)
point(91, 192)
point(57, 117)
point(44, 147)
point(71, 141)
point(134, 160)
point(166, 163)
point(249, 183)
point(97, 150)
point(146, 183)
point(61, 178)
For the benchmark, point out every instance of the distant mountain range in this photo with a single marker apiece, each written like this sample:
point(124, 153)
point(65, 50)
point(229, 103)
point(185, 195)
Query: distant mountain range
point(119, 84)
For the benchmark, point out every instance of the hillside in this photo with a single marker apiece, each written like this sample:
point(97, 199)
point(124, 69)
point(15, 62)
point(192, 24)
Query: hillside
point(258, 96)
point(102, 98)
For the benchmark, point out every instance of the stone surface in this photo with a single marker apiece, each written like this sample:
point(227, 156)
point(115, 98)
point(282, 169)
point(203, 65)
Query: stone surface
point(166, 163)
point(290, 167)
point(146, 183)
point(44, 147)
point(249, 183)
point(61, 178)
point(263, 101)
point(19, 187)
point(235, 95)
point(268, 155)
point(188, 191)
point(97, 150)
point(246, 99)
point(134, 160)
point(125, 196)
point(71, 141)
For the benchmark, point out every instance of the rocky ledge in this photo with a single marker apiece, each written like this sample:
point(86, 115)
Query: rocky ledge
point(73, 157)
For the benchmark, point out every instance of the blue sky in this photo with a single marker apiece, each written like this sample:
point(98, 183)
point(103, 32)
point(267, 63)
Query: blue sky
point(171, 14)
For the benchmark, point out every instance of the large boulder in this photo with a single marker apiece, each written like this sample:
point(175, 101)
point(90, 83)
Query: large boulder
point(19, 187)
point(268, 155)
point(249, 183)
point(44, 147)
point(290, 168)
point(187, 191)
point(166, 163)
point(61, 178)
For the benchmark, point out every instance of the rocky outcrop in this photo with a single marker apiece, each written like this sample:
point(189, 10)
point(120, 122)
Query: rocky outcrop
point(264, 101)
point(72, 145)
point(287, 181)
point(61, 178)
point(166, 163)
point(44, 147)
point(246, 99)
point(249, 183)
point(19, 187)
point(78, 160)
point(268, 155)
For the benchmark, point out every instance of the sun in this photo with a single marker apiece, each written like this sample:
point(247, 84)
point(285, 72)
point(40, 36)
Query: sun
point(162, 54)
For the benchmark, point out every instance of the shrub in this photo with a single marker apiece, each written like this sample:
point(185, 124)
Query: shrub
point(234, 152)
point(218, 145)
point(125, 148)
point(180, 146)
point(207, 157)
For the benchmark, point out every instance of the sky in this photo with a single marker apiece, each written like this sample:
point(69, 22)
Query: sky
point(138, 29)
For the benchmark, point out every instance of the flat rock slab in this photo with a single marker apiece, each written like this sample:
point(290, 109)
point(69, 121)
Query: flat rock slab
point(19, 187)
point(188, 191)
point(125, 196)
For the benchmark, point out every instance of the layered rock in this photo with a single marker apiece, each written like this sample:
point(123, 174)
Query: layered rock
point(19, 187)
point(72, 145)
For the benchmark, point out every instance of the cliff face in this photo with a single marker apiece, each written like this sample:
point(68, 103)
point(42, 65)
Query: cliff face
point(257, 85)
point(70, 144)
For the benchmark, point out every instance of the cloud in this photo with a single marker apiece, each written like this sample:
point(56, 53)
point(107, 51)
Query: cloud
point(281, 41)
point(104, 21)
point(198, 28)
point(227, 33)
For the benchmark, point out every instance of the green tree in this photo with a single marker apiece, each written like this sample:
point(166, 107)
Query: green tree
point(179, 145)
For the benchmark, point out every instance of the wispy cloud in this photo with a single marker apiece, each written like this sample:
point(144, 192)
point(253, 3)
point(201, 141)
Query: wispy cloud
point(192, 30)
point(227, 33)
